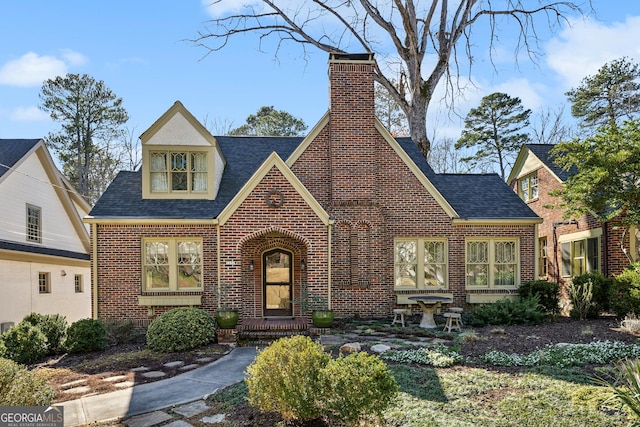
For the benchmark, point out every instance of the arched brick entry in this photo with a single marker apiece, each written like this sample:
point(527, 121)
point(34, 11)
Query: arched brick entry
point(253, 248)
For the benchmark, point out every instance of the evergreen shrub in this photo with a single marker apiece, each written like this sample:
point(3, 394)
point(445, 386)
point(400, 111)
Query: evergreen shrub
point(21, 387)
point(548, 294)
point(25, 343)
point(53, 326)
point(86, 335)
point(181, 329)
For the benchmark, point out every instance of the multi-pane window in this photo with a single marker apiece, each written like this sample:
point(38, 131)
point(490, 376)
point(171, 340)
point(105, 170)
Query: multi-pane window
point(492, 263)
point(172, 264)
point(77, 281)
point(420, 263)
point(542, 257)
point(44, 283)
point(34, 224)
point(178, 171)
point(528, 187)
point(580, 256)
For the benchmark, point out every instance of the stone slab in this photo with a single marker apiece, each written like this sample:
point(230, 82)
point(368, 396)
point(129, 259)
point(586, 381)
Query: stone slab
point(188, 367)
point(140, 369)
point(154, 374)
point(82, 389)
point(124, 384)
point(172, 365)
point(191, 409)
point(114, 379)
point(204, 359)
point(214, 419)
point(178, 423)
point(73, 383)
point(149, 419)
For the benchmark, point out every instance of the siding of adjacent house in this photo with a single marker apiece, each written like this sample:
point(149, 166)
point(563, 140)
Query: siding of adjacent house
point(62, 252)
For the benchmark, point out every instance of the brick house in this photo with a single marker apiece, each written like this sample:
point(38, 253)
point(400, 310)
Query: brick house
point(352, 214)
point(567, 247)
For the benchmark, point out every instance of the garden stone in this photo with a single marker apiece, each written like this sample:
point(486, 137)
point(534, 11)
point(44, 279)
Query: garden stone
point(154, 374)
point(175, 364)
point(380, 348)
point(150, 419)
point(351, 347)
point(191, 409)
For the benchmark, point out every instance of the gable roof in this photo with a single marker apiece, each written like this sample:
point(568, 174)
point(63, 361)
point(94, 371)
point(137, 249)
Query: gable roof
point(12, 150)
point(543, 152)
point(244, 155)
point(479, 197)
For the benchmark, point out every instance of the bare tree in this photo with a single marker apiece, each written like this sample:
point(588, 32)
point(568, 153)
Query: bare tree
point(549, 127)
point(131, 152)
point(432, 39)
point(218, 126)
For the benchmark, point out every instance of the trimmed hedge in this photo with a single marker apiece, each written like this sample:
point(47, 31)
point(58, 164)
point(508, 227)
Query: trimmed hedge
point(86, 335)
point(25, 343)
point(20, 387)
point(53, 326)
point(181, 329)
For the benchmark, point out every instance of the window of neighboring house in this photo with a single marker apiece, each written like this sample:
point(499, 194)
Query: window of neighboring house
point(634, 239)
point(77, 280)
point(580, 256)
point(172, 264)
point(421, 263)
point(44, 283)
point(178, 172)
point(492, 263)
point(34, 224)
point(528, 187)
point(542, 257)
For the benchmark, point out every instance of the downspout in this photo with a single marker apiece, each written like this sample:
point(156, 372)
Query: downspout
point(329, 264)
point(536, 254)
point(94, 266)
point(219, 250)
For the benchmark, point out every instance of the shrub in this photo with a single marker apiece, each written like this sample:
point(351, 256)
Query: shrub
point(523, 311)
point(53, 326)
point(625, 384)
point(358, 387)
point(624, 293)
point(123, 332)
point(181, 329)
point(600, 286)
point(20, 387)
point(285, 378)
point(86, 335)
point(548, 293)
point(25, 343)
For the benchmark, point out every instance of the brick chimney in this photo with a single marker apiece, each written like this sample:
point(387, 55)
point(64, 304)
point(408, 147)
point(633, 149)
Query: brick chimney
point(352, 128)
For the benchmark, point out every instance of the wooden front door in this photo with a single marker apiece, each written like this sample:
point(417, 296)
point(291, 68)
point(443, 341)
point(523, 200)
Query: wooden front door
point(277, 282)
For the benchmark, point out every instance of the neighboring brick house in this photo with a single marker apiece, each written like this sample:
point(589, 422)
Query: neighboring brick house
point(567, 246)
point(44, 246)
point(356, 215)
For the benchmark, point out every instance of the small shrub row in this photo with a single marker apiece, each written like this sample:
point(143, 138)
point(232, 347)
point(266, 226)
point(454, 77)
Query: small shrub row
point(521, 311)
point(548, 294)
point(39, 335)
point(297, 379)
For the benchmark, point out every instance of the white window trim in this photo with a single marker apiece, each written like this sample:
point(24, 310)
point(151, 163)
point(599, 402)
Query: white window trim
point(633, 248)
point(78, 284)
point(173, 263)
point(39, 225)
point(543, 259)
point(490, 280)
point(420, 263)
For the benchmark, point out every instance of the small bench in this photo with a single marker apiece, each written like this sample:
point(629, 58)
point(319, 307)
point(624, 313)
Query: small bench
point(398, 315)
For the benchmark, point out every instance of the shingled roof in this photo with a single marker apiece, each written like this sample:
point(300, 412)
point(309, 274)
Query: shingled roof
point(472, 196)
point(12, 150)
point(543, 152)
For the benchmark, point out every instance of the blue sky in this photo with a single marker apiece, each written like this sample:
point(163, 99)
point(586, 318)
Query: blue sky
point(139, 48)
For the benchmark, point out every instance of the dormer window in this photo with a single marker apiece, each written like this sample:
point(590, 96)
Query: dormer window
point(178, 171)
point(528, 187)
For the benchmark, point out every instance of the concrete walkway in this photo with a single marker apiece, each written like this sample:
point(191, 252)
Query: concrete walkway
point(147, 398)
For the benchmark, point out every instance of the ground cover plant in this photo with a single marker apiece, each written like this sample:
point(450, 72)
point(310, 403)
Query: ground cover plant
point(446, 378)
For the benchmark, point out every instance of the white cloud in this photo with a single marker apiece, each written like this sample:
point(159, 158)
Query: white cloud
point(581, 49)
point(73, 58)
point(523, 89)
point(32, 69)
point(219, 8)
point(28, 114)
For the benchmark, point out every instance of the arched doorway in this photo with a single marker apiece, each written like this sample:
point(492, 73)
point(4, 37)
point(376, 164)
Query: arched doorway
point(277, 282)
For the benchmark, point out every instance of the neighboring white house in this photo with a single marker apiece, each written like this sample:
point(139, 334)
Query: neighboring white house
point(44, 246)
